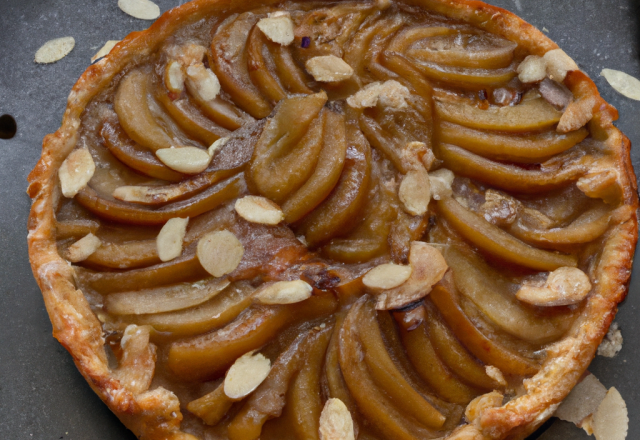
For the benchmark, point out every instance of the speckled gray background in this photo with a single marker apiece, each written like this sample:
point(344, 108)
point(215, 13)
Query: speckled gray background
point(42, 396)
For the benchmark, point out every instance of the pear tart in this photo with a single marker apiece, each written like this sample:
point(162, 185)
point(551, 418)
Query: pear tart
point(390, 220)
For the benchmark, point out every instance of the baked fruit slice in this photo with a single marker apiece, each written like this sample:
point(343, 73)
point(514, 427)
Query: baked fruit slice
point(374, 220)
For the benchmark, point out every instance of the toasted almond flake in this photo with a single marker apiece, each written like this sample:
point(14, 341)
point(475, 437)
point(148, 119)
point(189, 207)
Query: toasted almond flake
point(55, 50)
point(564, 286)
point(186, 54)
point(83, 248)
point(495, 374)
point(188, 160)
point(611, 420)
point(203, 81)
point(132, 193)
point(217, 145)
point(477, 406)
point(245, 375)
point(76, 171)
point(328, 68)
point(532, 69)
point(558, 64)
point(219, 252)
point(284, 292)
point(612, 342)
point(277, 28)
point(577, 114)
point(415, 192)
point(440, 182)
point(104, 50)
point(623, 83)
point(388, 94)
point(174, 77)
point(335, 421)
point(427, 268)
point(256, 209)
point(582, 401)
point(169, 241)
point(142, 9)
point(386, 276)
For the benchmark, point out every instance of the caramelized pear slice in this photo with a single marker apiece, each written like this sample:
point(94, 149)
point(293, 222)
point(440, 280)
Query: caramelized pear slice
point(510, 177)
point(229, 56)
point(258, 68)
point(531, 115)
point(132, 107)
point(383, 142)
point(141, 215)
point(529, 148)
point(127, 255)
point(326, 174)
point(340, 212)
point(427, 363)
point(134, 155)
point(75, 228)
point(218, 311)
point(493, 295)
point(466, 77)
point(164, 299)
point(207, 356)
point(292, 77)
point(497, 242)
point(190, 118)
point(211, 407)
point(268, 400)
point(286, 154)
point(485, 349)
point(220, 111)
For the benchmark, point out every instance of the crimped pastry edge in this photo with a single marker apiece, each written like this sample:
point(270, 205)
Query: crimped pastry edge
point(155, 415)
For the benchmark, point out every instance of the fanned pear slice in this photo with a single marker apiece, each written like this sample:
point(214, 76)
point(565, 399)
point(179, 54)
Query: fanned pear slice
point(491, 239)
point(259, 71)
point(132, 107)
point(466, 77)
point(164, 299)
point(126, 255)
point(531, 115)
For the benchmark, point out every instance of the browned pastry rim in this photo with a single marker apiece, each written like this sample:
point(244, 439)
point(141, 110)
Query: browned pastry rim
point(153, 416)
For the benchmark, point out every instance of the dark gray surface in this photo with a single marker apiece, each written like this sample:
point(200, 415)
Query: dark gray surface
point(42, 396)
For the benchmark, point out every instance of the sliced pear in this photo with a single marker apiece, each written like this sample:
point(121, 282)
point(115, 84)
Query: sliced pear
point(127, 255)
point(211, 407)
point(383, 142)
point(292, 77)
point(75, 228)
point(220, 111)
point(466, 77)
point(259, 71)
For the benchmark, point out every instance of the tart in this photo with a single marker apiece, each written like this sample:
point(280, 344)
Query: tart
point(375, 220)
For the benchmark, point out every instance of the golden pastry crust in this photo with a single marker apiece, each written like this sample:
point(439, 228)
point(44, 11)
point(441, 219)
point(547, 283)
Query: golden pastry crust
point(156, 414)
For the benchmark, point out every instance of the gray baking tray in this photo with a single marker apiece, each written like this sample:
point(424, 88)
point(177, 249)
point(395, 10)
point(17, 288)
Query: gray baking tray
point(42, 395)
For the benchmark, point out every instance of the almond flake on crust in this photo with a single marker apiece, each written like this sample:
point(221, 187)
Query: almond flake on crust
point(219, 252)
point(582, 401)
point(258, 209)
point(284, 292)
point(532, 69)
point(558, 64)
point(104, 50)
point(564, 286)
point(623, 83)
point(55, 50)
point(389, 94)
point(174, 76)
point(415, 192)
point(83, 248)
point(188, 160)
point(245, 375)
point(169, 240)
point(203, 81)
point(277, 28)
point(142, 9)
point(329, 68)
point(386, 276)
point(76, 171)
point(612, 342)
point(335, 421)
point(611, 420)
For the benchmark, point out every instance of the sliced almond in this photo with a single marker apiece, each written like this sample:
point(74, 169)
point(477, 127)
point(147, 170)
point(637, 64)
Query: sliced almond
point(623, 83)
point(203, 81)
point(174, 77)
point(142, 9)
point(477, 406)
point(104, 50)
point(217, 145)
point(415, 191)
point(245, 375)
point(611, 420)
point(284, 292)
point(55, 50)
point(388, 94)
point(256, 209)
point(132, 193)
point(564, 286)
point(612, 342)
point(219, 252)
point(582, 401)
point(76, 171)
point(427, 268)
point(335, 421)
point(169, 240)
point(495, 374)
point(386, 276)
point(558, 64)
point(187, 54)
point(532, 69)
point(329, 68)
point(188, 160)
point(278, 28)
point(577, 114)
point(83, 248)
point(138, 359)
point(440, 182)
